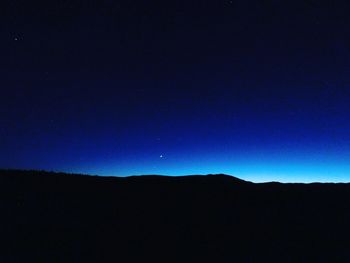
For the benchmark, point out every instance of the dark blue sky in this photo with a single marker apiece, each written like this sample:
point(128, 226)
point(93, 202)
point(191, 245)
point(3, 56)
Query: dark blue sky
point(256, 89)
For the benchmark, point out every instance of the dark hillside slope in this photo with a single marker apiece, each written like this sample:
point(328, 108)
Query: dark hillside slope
point(48, 217)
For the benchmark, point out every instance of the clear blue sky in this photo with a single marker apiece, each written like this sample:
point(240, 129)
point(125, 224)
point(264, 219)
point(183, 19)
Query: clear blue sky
point(255, 89)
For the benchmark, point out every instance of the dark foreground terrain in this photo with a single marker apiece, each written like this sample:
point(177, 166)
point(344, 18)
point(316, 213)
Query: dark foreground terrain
point(48, 217)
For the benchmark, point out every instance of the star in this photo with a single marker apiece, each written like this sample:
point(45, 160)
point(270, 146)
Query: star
point(161, 156)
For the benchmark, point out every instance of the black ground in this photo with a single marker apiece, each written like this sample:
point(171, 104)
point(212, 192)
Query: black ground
point(48, 217)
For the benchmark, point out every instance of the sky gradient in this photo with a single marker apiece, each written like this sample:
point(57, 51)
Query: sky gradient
point(256, 89)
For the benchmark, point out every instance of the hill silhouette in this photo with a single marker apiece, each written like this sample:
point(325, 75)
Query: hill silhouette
point(56, 217)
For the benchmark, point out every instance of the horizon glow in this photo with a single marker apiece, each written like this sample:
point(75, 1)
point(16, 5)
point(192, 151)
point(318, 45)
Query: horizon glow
point(211, 89)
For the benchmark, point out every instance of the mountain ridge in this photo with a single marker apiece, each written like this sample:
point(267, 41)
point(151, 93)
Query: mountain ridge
point(220, 176)
point(63, 218)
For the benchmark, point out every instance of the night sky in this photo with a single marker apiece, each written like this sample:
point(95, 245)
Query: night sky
point(256, 89)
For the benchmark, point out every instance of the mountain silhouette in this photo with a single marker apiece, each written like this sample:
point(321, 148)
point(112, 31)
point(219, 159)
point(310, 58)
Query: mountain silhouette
point(56, 217)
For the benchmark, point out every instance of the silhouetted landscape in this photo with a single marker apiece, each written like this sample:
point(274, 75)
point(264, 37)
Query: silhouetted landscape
point(56, 217)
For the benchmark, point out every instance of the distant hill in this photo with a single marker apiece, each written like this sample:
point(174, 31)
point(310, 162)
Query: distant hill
point(56, 217)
